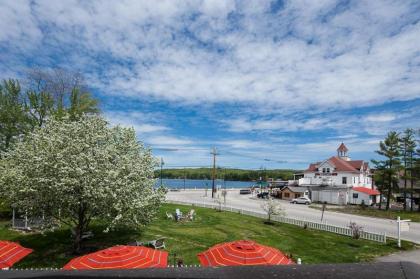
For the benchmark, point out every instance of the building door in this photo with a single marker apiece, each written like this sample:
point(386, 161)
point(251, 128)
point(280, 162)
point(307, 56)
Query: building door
point(341, 198)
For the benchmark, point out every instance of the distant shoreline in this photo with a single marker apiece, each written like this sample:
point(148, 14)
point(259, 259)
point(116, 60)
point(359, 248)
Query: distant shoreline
point(225, 174)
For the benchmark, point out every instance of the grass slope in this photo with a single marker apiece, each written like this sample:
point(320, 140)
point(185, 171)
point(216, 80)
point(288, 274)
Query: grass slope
point(210, 227)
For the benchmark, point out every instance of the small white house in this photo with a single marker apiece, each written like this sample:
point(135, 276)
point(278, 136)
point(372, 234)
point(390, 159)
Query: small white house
point(362, 195)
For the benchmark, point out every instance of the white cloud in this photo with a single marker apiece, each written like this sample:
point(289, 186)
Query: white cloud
point(303, 68)
point(141, 122)
point(384, 117)
point(18, 25)
point(276, 124)
point(168, 141)
point(241, 143)
point(192, 52)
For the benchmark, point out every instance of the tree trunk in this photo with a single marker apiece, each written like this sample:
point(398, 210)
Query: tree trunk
point(77, 244)
point(412, 183)
point(79, 230)
point(389, 191)
point(380, 200)
point(405, 183)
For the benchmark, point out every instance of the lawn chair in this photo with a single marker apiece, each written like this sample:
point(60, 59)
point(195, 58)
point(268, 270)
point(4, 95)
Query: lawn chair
point(178, 214)
point(85, 235)
point(191, 215)
point(157, 244)
point(169, 215)
point(136, 243)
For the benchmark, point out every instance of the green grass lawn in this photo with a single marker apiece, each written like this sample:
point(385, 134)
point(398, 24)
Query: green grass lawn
point(210, 227)
point(372, 212)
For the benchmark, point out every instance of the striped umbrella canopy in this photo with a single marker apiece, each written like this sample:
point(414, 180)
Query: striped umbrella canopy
point(11, 253)
point(242, 252)
point(120, 257)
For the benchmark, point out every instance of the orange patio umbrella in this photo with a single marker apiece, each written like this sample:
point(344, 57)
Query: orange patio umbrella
point(11, 253)
point(120, 257)
point(242, 252)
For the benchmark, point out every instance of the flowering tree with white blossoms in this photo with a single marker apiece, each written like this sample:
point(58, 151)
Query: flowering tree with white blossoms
point(72, 172)
point(271, 207)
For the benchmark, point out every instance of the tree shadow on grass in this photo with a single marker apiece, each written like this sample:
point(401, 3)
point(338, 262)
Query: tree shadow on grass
point(55, 249)
point(51, 249)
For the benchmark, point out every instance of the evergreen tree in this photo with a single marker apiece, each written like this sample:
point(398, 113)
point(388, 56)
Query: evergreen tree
point(390, 148)
point(81, 103)
point(416, 169)
point(407, 148)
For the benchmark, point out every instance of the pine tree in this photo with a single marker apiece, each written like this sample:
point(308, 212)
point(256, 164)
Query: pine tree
point(81, 103)
point(390, 148)
point(416, 169)
point(407, 148)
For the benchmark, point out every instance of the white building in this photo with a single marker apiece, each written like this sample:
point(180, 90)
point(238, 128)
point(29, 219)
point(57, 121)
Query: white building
point(340, 180)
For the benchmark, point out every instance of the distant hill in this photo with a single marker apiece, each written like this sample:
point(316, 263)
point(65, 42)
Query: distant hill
point(227, 174)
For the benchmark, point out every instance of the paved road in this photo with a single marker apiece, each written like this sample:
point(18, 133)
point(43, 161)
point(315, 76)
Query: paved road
point(410, 256)
point(298, 211)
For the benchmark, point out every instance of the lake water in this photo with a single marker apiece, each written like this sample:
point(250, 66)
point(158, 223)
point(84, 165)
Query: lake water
point(202, 184)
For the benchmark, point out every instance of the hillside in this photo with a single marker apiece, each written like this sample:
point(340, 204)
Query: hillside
point(227, 174)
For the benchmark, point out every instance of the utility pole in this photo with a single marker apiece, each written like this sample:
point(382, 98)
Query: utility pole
point(184, 178)
point(214, 153)
point(161, 169)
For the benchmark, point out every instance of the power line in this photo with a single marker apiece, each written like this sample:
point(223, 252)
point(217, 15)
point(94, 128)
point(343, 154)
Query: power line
point(255, 157)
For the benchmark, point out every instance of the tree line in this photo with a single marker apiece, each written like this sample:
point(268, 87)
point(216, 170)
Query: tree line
point(41, 94)
point(399, 170)
point(226, 174)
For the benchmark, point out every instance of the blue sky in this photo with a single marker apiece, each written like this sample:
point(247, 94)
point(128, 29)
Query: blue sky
point(274, 84)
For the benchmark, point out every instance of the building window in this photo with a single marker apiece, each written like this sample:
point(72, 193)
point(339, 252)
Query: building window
point(344, 180)
point(323, 170)
point(297, 196)
point(355, 195)
point(328, 169)
point(286, 195)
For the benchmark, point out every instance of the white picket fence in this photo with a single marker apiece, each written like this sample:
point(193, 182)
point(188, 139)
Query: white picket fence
point(378, 237)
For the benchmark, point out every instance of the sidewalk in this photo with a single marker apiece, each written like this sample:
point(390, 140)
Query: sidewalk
point(410, 256)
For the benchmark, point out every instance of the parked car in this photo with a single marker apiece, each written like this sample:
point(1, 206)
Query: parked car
point(301, 200)
point(245, 191)
point(263, 195)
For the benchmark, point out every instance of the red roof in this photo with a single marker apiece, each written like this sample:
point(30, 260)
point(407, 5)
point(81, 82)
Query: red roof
point(341, 165)
point(357, 164)
point(371, 192)
point(343, 148)
point(313, 167)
